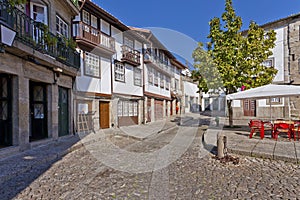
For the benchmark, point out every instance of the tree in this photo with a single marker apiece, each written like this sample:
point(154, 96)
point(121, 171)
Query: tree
point(16, 2)
point(236, 57)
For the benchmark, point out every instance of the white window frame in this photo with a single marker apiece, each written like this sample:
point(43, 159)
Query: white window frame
point(63, 27)
point(45, 12)
point(86, 17)
point(119, 71)
point(150, 76)
point(137, 75)
point(92, 65)
point(94, 21)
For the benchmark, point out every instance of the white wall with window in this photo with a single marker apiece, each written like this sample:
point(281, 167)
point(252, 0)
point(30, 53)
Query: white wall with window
point(157, 82)
point(95, 74)
point(130, 83)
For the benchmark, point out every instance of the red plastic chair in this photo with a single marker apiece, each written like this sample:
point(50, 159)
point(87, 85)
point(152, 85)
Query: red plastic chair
point(259, 126)
point(283, 127)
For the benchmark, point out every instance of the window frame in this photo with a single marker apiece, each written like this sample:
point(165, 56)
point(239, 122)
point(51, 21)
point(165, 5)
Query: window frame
point(94, 56)
point(120, 71)
point(64, 23)
point(137, 76)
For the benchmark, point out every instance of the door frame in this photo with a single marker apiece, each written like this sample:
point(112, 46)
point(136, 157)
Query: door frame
point(44, 132)
point(60, 123)
point(8, 135)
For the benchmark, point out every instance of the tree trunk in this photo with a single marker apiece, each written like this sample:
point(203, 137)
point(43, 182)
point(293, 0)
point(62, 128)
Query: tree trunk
point(230, 113)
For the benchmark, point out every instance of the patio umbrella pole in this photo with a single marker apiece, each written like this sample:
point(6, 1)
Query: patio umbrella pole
point(270, 109)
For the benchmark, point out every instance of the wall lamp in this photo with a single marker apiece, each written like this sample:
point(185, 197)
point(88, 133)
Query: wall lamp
point(7, 36)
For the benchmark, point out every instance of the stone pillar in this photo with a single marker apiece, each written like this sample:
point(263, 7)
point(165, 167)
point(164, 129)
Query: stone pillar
point(140, 111)
point(152, 110)
point(174, 107)
point(52, 96)
point(168, 108)
point(145, 109)
point(24, 116)
point(164, 108)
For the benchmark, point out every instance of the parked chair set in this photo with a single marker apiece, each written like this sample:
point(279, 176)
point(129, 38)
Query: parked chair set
point(291, 128)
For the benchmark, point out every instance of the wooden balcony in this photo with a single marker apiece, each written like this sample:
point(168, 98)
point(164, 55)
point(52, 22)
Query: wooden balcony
point(37, 36)
point(88, 35)
point(130, 56)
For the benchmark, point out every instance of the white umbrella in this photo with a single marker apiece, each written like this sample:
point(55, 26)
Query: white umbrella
point(266, 92)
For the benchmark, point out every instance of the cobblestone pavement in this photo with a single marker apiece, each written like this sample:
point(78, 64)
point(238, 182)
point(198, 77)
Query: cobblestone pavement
point(81, 175)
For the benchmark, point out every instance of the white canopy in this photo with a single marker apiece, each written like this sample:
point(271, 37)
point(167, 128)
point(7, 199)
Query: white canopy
point(266, 92)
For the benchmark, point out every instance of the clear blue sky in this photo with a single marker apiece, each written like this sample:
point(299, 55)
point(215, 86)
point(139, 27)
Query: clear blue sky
point(191, 17)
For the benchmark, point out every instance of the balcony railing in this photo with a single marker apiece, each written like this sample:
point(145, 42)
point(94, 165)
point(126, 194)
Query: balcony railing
point(37, 36)
point(130, 55)
point(86, 32)
point(161, 64)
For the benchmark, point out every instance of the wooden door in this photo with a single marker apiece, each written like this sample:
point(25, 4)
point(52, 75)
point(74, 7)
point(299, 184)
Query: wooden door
point(104, 114)
point(63, 112)
point(249, 107)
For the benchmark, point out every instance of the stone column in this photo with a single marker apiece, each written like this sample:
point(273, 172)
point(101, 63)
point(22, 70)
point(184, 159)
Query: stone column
point(152, 110)
point(52, 96)
point(164, 108)
point(145, 109)
point(168, 108)
point(140, 111)
point(22, 108)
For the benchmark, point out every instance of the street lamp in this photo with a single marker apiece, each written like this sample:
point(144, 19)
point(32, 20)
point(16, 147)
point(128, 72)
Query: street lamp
point(7, 36)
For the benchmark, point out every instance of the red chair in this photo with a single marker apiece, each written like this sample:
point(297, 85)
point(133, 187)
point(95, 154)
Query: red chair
point(259, 126)
point(283, 127)
point(296, 130)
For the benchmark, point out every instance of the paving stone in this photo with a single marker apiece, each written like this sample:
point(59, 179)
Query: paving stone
point(264, 149)
point(285, 151)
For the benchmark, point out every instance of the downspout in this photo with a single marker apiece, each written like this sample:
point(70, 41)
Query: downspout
point(289, 65)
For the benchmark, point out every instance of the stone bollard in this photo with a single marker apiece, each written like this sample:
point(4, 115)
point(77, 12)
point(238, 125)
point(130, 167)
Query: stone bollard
point(221, 144)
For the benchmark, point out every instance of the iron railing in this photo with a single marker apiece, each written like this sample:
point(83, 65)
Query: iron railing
point(37, 35)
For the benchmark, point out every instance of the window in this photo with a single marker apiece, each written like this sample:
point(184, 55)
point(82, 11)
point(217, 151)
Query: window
point(268, 63)
point(162, 81)
point(61, 27)
point(150, 76)
point(105, 27)
point(120, 108)
point(155, 78)
point(94, 21)
point(167, 83)
point(86, 17)
point(137, 76)
point(275, 100)
point(176, 84)
point(39, 13)
point(127, 108)
point(92, 64)
point(119, 72)
point(128, 42)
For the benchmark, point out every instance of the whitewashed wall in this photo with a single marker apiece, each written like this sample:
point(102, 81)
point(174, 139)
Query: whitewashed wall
point(278, 54)
point(93, 84)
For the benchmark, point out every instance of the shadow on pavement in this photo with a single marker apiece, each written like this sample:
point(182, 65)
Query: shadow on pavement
point(20, 170)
